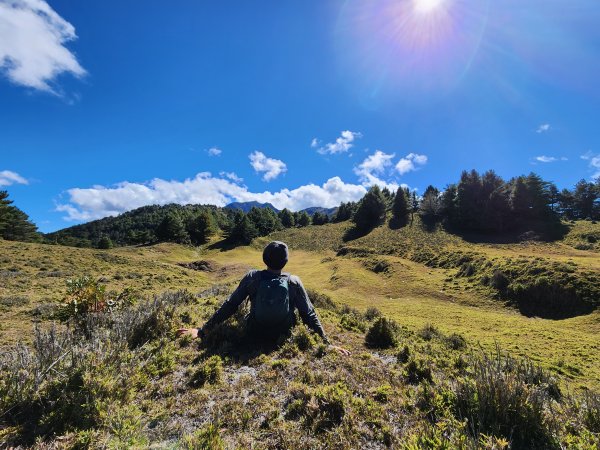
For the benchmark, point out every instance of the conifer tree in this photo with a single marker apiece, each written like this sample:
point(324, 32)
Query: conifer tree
point(202, 227)
point(400, 208)
point(14, 223)
point(287, 218)
point(371, 210)
point(171, 229)
point(303, 219)
point(243, 231)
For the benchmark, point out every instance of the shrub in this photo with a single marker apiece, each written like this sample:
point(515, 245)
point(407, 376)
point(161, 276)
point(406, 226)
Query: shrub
point(382, 334)
point(211, 371)
point(14, 300)
point(591, 411)
point(403, 355)
point(499, 281)
point(352, 322)
point(417, 371)
point(331, 404)
point(86, 295)
point(428, 332)
point(372, 313)
point(382, 393)
point(455, 341)
point(303, 338)
point(206, 438)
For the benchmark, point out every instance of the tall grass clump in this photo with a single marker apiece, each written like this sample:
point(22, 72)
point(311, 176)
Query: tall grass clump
point(505, 397)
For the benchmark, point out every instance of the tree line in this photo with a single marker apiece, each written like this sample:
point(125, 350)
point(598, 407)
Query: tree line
point(478, 202)
point(484, 203)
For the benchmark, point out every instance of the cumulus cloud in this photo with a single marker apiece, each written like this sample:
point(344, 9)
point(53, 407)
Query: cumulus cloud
point(373, 167)
point(594, 163)
point(543, 128)
point(410, 162)
point(101, 201)
point(341, 145)
point(271, 168)
point(232, 176)
point(8, 178)
point(32, 44)
point(214, 151)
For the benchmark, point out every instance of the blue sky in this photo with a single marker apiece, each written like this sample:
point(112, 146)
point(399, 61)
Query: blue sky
point(106, 106)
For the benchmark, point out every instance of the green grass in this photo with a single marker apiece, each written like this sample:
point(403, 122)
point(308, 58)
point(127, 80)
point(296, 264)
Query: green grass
point(413, 395)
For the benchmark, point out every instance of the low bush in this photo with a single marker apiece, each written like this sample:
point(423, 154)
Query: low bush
point(591, 411)
point(428, 332)
point(372, 313)
point(455, 341)
point(210, 372)
point(416, 371)
point(382, 334)
point(206, 438)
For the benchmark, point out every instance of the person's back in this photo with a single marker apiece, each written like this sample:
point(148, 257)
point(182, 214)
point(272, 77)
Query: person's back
point(274, 297)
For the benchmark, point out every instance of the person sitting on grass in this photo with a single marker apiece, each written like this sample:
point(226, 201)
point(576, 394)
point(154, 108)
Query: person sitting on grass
point(274, 296)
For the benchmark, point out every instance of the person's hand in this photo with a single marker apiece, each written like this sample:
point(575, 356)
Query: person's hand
point(341, 350)
point(193, 332)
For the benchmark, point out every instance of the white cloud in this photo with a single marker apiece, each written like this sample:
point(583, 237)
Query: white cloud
point(341, 145)
point(214, 151)
point(410, 162)
point(100, 201)
point(232, 176)
point(543, 128)
point(8, 178)
point(32, 38)
point(546, 159)
point(272, 168)
point(373, 167)
point(594, 162)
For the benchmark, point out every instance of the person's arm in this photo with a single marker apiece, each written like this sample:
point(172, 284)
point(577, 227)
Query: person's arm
point(226, 310)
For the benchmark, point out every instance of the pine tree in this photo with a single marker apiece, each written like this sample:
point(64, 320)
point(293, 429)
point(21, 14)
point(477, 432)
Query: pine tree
point(105, 243)
point(345, 211)
point(202, 227)
point(4, 210)
point(287, 218)
point(265, 220)
point(320, 218)
point(14, 223)
point(303, 219)
point(449, 205)
point(243, 231)
point(171, 229)
point(584, 196)
point(400, 208)
point(371, 210)
point(520, 200)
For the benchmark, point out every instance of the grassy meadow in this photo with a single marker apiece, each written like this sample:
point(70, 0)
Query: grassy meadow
point(178, 394)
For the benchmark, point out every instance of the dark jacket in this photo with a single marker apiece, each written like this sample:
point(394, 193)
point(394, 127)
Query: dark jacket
point(247, 289)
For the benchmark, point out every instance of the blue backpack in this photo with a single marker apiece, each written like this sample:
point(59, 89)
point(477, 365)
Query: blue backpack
point(271, 309)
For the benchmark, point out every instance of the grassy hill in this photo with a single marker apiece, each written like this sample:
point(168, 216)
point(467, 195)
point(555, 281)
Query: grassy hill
point(456, 377)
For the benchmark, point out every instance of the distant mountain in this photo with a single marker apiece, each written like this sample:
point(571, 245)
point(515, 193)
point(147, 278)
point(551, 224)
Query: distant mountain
point(247, 206)
point(313, 209)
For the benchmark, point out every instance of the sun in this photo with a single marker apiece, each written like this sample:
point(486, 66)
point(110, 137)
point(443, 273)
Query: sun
point(426, 6)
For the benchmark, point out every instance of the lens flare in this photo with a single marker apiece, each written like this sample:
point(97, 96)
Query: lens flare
point(407, 47)
point(426, 6)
